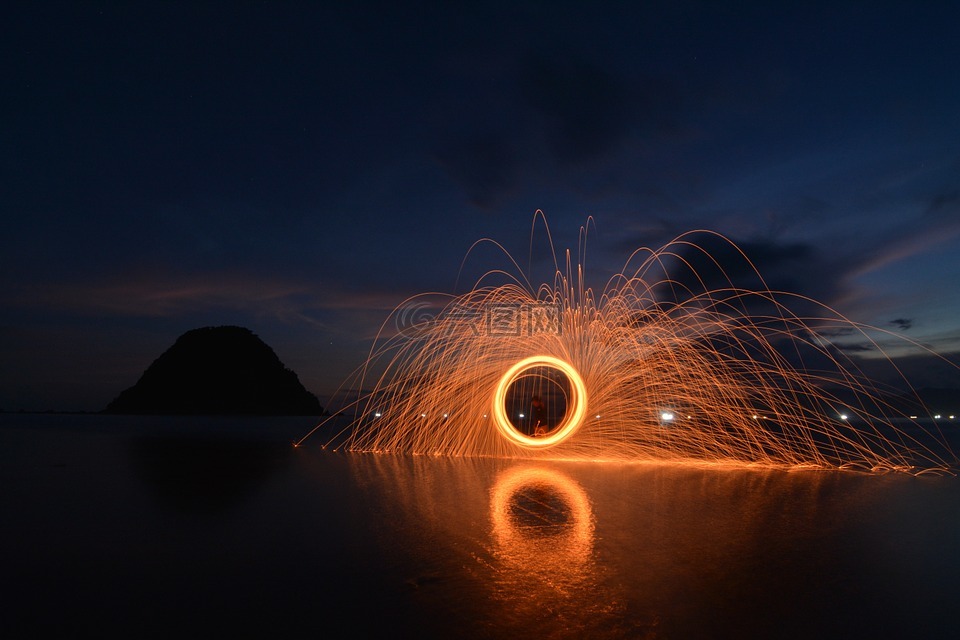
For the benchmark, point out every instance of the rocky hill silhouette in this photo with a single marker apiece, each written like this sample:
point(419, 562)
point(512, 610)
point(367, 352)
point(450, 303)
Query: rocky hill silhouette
point(223, 370)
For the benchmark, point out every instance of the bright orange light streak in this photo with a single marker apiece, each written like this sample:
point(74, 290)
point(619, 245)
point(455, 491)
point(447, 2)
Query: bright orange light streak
point(679, 363)
point(572, 543)
point(577, 403)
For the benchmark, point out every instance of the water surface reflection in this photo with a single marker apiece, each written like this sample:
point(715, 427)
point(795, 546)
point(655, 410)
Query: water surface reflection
point(582, 550)
point(169, 528)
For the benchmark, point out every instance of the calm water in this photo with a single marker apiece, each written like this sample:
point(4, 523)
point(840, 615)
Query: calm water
point(165, 527)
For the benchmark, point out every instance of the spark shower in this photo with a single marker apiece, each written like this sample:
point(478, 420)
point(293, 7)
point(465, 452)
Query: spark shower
point(672, 361)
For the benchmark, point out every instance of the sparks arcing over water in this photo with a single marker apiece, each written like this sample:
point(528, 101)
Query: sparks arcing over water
point(671, 361)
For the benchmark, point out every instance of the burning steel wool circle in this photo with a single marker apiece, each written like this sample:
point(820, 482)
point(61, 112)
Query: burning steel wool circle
point(679, 363)
point(576, 403)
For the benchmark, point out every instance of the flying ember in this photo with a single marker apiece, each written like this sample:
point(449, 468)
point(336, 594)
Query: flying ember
point(684, 356)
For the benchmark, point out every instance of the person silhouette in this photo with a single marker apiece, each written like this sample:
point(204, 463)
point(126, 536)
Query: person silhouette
point(537, 418)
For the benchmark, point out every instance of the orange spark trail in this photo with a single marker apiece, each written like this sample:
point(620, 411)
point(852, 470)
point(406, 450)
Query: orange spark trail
point(660, 366)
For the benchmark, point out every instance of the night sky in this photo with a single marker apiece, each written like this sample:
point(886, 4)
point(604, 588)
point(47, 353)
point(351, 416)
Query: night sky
point(301, 168)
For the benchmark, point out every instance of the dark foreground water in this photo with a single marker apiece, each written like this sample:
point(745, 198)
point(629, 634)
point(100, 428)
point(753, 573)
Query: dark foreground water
point(166, 527)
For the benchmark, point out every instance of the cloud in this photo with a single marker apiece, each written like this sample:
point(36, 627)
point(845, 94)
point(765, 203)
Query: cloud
point(944, 204)
point(940, 225)
point(484, 165)
point(183, 295)
point(719, 262)
point(584, 108)
point(902, 323)
point(855, 347)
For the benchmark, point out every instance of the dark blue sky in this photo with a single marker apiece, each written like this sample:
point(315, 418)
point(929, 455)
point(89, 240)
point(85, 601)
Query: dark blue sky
point(301, 168)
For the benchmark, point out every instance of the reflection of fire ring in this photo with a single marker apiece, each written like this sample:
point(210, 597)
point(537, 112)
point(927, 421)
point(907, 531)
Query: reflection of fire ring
point(558, 553)
point(576, 404)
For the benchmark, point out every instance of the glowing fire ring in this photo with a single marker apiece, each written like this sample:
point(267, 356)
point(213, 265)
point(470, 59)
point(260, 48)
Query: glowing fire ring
point(576, 404)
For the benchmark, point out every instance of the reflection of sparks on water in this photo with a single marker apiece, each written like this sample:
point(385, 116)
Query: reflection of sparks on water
point(542, 528)
point(493, 541)
point(542, 523)
point(671, 362)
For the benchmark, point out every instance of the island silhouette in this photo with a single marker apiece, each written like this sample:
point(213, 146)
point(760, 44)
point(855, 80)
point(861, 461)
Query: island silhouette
point(223, 370)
